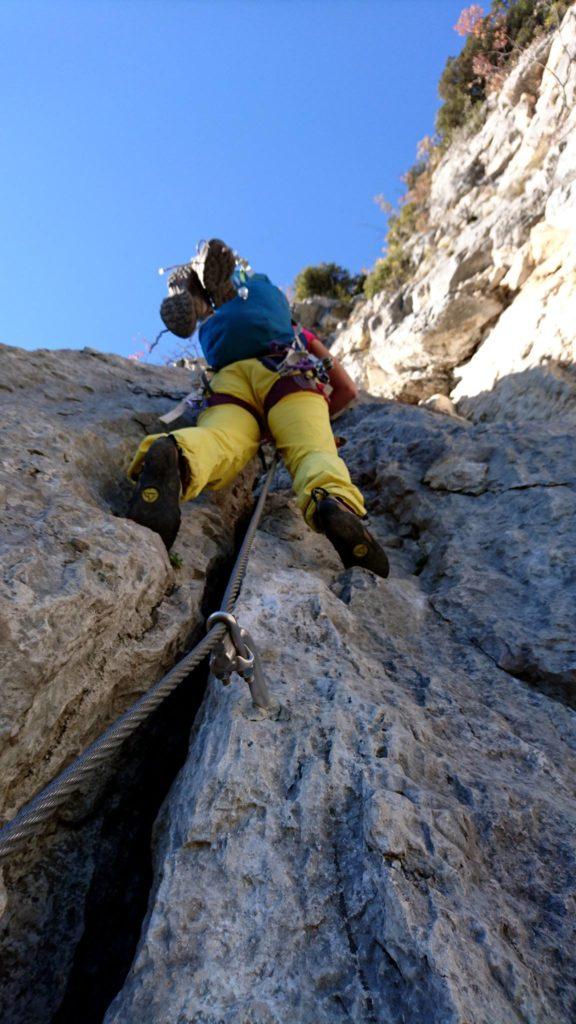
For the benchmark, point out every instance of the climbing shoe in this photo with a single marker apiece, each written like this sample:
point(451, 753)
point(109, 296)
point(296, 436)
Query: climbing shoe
point(186, 304)
point(155, 502)
point(214, 266)
point(347, 533)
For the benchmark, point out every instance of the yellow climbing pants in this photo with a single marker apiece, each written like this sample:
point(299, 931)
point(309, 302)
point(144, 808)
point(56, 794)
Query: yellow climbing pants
point(227, 437)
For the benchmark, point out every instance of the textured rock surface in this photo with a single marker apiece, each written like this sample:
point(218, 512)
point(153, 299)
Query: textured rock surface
point(91, 613)
point(402, 849)
point(324, 316)
point(494, 288)
point(92, 610)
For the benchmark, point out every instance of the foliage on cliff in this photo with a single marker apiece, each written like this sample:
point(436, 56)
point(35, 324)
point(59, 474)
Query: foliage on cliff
point(493, 41)
point(395, 267)
point(329, 280)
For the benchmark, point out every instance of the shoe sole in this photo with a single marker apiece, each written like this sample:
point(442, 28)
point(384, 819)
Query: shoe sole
point(200, 297)
point(178, 313)
point(156, 501)
point(353, 542)
point(218, 268)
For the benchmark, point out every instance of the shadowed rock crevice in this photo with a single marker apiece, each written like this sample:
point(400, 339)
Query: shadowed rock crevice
point(370, 1013)
point(118, 897)
point(92, 613)
point(112, 834)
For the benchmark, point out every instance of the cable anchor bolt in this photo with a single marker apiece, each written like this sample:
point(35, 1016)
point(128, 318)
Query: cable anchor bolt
point(236, 652)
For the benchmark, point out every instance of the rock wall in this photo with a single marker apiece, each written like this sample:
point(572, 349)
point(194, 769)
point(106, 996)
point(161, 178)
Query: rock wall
point(91, 613)
point(402, 849)
point(494, 287)
point(326, 317)
point(92, 609)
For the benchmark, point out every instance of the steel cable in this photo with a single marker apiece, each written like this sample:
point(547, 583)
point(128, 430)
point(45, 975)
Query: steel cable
point(26, 822)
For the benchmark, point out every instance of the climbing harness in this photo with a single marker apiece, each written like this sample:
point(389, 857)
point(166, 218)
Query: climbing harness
point(298, 369)
point(223, 628)
point(295, 360)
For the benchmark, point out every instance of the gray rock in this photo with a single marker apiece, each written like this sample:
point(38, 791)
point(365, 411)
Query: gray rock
point(538, 395)
point(441, 404)
point(457, 474)
point(459, 328)
point(91, 608)
point(492, 289)
point(402, 848)
point(322, 315)
point(91, 614)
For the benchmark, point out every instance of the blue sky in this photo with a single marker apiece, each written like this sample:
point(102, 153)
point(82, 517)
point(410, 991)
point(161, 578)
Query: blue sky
point(130, 129)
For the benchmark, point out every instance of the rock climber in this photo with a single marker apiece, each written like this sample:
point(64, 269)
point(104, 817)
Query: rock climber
point(268, 380)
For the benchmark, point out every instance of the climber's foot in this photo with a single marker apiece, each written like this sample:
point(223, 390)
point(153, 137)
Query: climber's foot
point(155, 502)
point(187, 303)
point(347, 533)
point(179, 315)
point(215, 265)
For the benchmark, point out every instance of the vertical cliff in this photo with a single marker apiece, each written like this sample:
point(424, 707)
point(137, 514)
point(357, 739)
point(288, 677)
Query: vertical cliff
point(493, 285)
point(401, 848)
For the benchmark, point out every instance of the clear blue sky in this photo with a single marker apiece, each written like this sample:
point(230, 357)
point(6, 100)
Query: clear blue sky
point(130, 129)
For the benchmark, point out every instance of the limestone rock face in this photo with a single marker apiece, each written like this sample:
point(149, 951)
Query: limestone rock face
point(91, 609)
point(493, 292)
point(91, 614)
point(322, 315)
point(402, 848)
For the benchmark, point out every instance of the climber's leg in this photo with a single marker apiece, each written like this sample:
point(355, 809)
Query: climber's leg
point(183, 463)
point(226, 438)
point(348, 533)
point(300, 425)
point(330, 502)
point(213, 453)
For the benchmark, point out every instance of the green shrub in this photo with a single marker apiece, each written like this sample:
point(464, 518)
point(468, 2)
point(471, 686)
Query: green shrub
point(525, 19)
point(395, 267)
point(460, 90)
point(492, 42)
point(329, 280)
point(555, 13)
point(388, 274)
